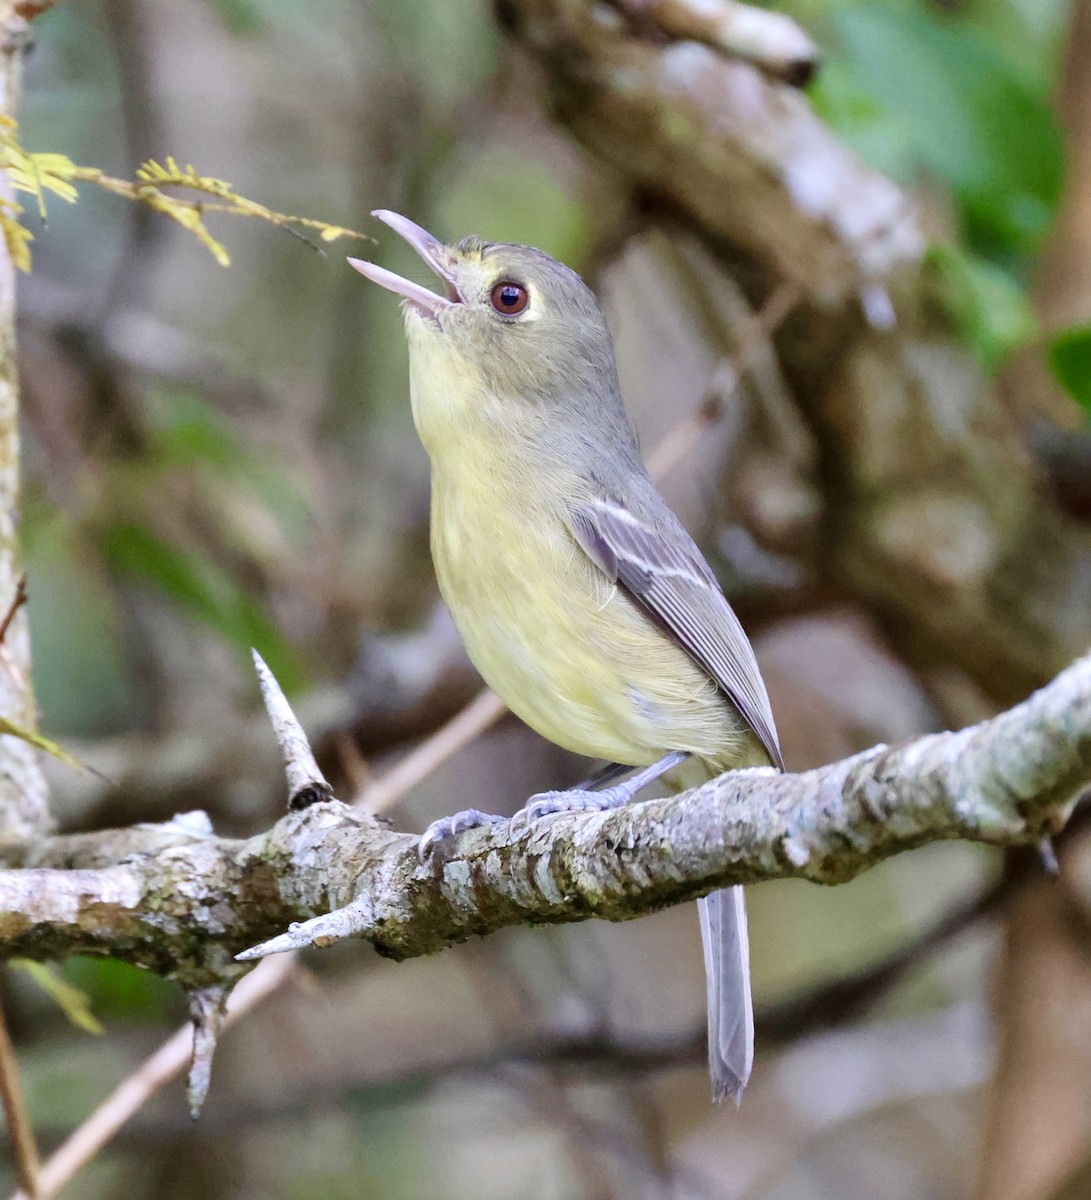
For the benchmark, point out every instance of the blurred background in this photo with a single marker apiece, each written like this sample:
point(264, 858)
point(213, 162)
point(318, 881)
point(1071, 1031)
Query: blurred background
point(217, 458)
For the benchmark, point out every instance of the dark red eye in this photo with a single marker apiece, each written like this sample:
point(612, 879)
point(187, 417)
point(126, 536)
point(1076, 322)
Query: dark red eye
point(509, 298)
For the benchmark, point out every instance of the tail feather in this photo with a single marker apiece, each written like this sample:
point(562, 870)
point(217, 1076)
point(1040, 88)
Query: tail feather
point(730, 1008)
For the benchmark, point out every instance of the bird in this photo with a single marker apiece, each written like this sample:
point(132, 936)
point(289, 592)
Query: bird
point(579, 595)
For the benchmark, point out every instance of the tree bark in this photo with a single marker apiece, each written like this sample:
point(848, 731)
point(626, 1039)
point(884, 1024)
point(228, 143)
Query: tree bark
point(24, 798)
point(182, 901)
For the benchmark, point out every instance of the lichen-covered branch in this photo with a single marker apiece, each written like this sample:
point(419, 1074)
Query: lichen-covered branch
point(182, 901)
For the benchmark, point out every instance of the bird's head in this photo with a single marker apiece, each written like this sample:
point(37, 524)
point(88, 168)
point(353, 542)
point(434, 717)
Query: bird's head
point(513, 327)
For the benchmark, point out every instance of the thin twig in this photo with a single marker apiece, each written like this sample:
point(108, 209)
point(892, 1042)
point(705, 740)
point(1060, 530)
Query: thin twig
point(6, 657)
point(483, 711)
point(684, 436)
point(17, 602)
point(20, 1131)
point(134, 1091)
point(352, 761)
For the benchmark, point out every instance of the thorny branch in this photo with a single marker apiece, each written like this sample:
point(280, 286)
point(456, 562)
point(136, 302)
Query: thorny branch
point(179, 900)
point(1004, 780)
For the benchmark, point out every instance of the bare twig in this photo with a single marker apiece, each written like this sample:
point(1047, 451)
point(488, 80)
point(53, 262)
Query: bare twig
point(134, 1091)
point(740, 156)
point(6, 657)
point(207, 1008)
point(483, 711)
point(20, 1130)
point(684, 436)
point(17, 602)
point(306, 786)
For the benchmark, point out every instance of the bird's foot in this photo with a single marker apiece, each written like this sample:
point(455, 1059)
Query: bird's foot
point(445, 827)
point(546, 804)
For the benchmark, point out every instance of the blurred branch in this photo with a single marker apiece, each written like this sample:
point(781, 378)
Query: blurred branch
point(744, 157)
point(16, 1117)
point(129, 26)
point(483, 711)
point(941, 529)
point(24, 798)
point(836, 1001)
point(131, 1095)
point(752, 340)
point(770, 40)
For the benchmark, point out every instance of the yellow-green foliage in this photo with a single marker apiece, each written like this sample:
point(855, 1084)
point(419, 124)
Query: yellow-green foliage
point(68, 998)
point(37, 174)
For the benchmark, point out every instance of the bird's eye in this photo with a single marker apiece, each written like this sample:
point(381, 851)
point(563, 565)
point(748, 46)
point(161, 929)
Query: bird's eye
point(509, 299)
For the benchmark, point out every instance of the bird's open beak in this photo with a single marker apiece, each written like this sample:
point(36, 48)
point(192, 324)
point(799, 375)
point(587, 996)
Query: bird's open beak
point(434, 254)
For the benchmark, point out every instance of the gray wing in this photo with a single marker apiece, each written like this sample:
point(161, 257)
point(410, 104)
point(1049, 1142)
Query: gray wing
point(662, 569)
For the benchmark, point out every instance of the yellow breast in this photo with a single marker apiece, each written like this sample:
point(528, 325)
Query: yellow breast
point(568, 652)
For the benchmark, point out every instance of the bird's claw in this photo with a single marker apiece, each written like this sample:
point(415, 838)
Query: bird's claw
point(546, 804)
point(541, 804)
point(445, 827)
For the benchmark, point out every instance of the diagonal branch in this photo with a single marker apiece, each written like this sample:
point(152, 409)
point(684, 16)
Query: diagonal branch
point(181, 901)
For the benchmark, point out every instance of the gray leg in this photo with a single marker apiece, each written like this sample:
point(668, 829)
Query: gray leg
point(573, 800)
point(582, 799)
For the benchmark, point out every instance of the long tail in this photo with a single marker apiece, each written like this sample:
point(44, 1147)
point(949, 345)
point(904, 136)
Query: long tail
point(730, 1008)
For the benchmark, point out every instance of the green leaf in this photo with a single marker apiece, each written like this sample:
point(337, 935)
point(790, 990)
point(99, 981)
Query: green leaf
point(68, 998)
point(986, 302)
point(1069, 355)
point(122, 991)
point(966, 114)
point(189, 430)
point(240, 17)
point(41, 743)
point(205, 590)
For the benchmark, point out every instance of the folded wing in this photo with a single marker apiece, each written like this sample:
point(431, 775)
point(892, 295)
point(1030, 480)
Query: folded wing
point(656, 561)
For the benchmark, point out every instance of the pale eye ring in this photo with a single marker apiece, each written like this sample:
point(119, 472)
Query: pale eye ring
point(509, 298)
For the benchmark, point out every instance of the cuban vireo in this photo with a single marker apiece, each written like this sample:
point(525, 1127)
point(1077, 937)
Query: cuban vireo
point(581, 599)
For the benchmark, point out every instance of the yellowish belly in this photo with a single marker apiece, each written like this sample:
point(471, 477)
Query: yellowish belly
point(567, 651)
